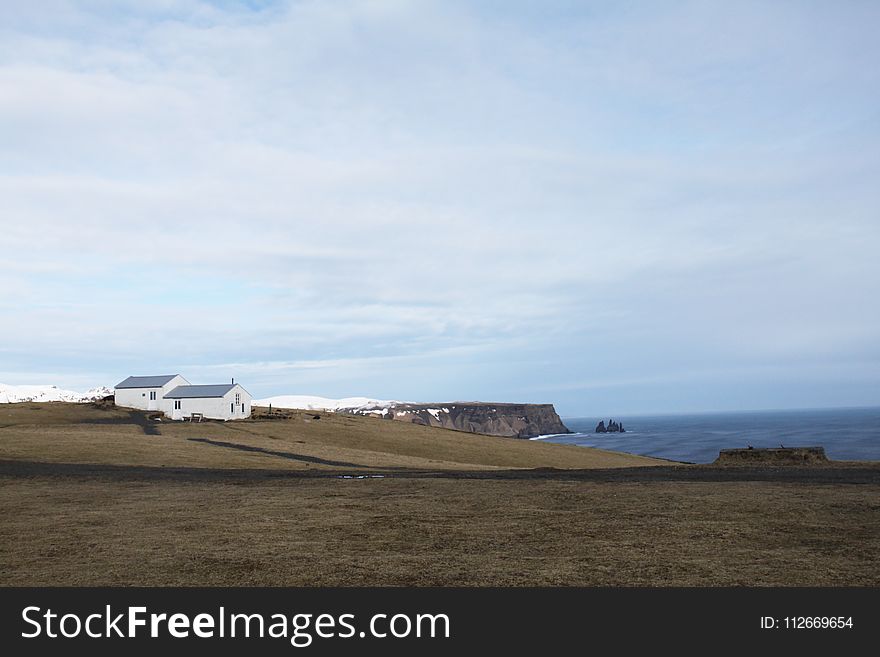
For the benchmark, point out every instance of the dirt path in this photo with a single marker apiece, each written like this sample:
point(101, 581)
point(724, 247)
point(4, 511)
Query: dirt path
point(848, 473)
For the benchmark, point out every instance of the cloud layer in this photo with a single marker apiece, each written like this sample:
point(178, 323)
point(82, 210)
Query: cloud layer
point(668, 207)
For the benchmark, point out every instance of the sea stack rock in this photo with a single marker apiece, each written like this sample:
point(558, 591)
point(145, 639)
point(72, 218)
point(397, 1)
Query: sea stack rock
point(613, 427)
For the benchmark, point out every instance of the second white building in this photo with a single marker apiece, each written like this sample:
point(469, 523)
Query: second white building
point(227, 401)
point(178, 400)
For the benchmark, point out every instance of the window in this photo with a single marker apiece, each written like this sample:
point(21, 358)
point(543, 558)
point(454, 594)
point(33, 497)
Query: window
point(237, 398)
point(232, 408)
point(153, 395)
point(177, 404)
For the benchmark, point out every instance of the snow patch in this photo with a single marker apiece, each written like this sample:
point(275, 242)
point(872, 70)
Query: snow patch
point(10, 394)
point(360, 405)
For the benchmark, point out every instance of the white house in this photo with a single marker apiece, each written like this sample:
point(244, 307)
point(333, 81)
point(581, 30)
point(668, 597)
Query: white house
point(147, 392)
point(228, 401)
point(177, 399)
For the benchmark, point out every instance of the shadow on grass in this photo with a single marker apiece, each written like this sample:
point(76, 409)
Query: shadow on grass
point(148, 426)
point(284, 455)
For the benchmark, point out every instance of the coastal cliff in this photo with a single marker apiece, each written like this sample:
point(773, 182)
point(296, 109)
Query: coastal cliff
point(494, 419)
point(510, 420)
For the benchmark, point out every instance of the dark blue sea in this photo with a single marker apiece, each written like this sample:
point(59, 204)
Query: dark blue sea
point(846, 434)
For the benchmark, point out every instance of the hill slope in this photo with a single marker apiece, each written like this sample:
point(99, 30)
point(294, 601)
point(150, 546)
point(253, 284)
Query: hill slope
point(88, 433)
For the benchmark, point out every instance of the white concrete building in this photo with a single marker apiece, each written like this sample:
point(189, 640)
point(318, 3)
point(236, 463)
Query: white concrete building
point(228, 401)
point(146, 392)
point(178, 400)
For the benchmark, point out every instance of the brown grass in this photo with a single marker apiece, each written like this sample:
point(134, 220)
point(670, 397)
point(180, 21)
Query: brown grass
point(81, 433)
point(436, 532)
point(71, 527)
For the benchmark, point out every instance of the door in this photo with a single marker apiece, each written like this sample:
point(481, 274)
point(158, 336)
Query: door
point(151, 403)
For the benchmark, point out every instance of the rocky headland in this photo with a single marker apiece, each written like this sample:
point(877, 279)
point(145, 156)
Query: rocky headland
point(494, 419)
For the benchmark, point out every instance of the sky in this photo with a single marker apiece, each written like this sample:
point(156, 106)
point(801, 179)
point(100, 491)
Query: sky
point(615, 207)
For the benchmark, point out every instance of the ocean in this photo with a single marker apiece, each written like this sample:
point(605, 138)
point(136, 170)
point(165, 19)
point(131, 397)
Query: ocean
point(846, 434)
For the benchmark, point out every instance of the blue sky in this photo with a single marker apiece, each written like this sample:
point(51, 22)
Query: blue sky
point(614, 207)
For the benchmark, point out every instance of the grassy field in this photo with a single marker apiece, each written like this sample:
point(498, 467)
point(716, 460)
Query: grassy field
point(83, 433)
point(171, 509)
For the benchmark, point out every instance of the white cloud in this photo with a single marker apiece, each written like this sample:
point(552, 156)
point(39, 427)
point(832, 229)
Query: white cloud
point(326, 182)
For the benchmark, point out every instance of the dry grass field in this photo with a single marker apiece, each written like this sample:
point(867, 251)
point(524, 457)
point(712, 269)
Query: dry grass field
point(85, 433)
point(92, 496)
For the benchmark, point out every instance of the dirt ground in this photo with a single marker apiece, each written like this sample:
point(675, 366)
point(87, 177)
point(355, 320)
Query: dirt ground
point(81, 516)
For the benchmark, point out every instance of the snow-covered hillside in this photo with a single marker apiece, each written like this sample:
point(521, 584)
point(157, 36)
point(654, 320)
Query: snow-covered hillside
point(14, 394)
point(310, 403)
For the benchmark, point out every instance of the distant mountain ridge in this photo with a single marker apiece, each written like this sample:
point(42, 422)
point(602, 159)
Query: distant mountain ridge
point(10, 394)
point(313, 403)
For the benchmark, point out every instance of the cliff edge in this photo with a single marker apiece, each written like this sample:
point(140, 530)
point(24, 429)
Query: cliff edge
point(502, 419)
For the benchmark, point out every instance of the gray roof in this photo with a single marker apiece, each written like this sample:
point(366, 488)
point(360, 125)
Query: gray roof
point(187, 392)
point(146, 381)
